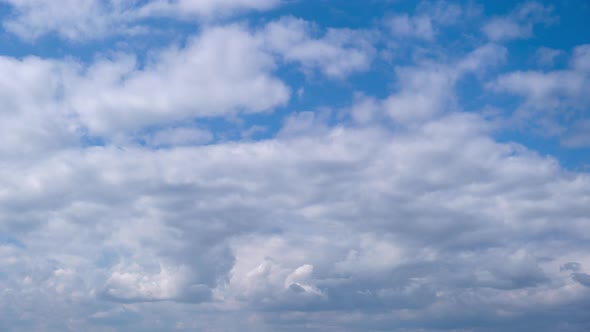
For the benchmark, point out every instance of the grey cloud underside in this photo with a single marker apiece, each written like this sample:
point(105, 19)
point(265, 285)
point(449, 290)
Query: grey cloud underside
point(351, 220)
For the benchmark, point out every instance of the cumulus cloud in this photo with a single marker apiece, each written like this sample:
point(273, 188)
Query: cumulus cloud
point(337, 53)
point(113, 96)
point(549, 96)
point(31, 122)
point(179, 83)
point(427, 90)
point(223, 71)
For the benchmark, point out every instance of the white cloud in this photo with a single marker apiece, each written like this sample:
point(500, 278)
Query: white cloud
point(428, 19)
point(411, 26)
point(428, 90)
point(544, 90)
point(546, 56)
point(519, 23)
point(218, 73)
point(550, 97)
point(92, 19)
point(581, 58)
point(424, 92)
point(113, 97)
point(138, 284)
point(365, 109)
point(504, 28)
point(223, 71)
point(397, 221)
point(578, 135)
point(82, 19)
point(336, 53)
point(30, 120)
point(446, 13)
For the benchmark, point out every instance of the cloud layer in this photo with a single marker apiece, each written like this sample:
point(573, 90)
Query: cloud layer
point(188, 187)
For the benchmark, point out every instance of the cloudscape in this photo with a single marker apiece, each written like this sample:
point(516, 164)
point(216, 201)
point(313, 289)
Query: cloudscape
point(294, 165)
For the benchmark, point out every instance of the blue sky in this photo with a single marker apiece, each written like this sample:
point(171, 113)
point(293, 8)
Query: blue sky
point(290, 165)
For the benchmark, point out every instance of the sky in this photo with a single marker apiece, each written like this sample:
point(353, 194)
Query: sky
point(294, 165)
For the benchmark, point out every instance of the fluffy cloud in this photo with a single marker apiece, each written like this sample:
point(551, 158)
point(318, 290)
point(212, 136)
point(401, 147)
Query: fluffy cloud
point(337, 53)
point(91, 19)
point(428, 90)
point(179, 83)
point(519, 23)
point(31, 122)
point(406, 26)
point(426, 22)
point(115, 96)
point(551, 98)
point(52, 104)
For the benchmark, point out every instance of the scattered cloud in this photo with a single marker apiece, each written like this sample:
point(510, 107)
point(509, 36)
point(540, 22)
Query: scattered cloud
point(337, 53)
point(519, 23)
point(428, 19)
point(551, 98)
point(411, 26)
point(95, 19)
point(427, 90)
point(546, 56)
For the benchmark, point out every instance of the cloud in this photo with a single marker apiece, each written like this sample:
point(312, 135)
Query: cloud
point(582, 278)
point(427, 90)
point(31, 19)
point(428, 20)
point(577, 135)
point(347, 219)
point(113, 96)
point(581, 58)
point(519, 23)
point(415, 26)
point(203, 9)
point(124, 208)
point(178, 137)
point(31, 121)
point(549, 96)
point(336, 53)
point(180, 83)
point(546, 56)
point(94, 19)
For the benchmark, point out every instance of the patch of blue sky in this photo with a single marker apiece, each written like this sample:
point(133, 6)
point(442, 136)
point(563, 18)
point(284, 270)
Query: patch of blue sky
point(9, 240)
